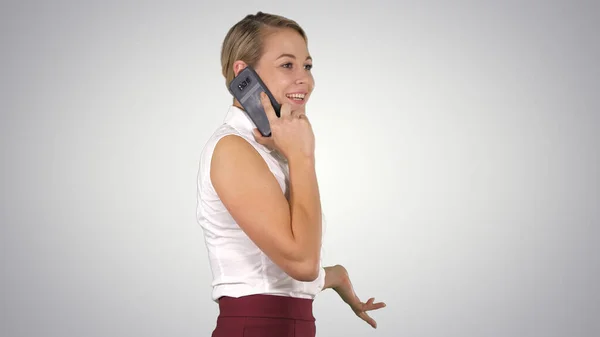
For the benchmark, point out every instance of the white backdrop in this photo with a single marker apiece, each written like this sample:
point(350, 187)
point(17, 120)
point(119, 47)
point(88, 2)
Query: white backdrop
point(457, 148)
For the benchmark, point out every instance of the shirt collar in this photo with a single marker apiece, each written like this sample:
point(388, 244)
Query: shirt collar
point(239, 120)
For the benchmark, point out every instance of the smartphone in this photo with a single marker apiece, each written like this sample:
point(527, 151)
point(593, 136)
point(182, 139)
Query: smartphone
point(246, 88)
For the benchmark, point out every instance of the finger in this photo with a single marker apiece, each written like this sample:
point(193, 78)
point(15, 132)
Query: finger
point(262, 140)
point(371, 303)
point(375, 306)
point(266, 103)
point(379, 304)
point(285, 111)
point(304, 118)
point(297, 115)
point(365, 317)
point(259, 137)
point(298, 112)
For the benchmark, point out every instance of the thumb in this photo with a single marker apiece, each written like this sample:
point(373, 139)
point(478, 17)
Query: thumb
point(259, 137)
point(264, 141)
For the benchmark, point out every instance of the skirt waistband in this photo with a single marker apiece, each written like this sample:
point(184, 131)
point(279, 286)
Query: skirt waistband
point(267, 306)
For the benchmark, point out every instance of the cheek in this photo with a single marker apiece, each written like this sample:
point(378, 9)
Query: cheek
point(274, 85)
point(273, 88)
point(280, 87)
point(311, 83)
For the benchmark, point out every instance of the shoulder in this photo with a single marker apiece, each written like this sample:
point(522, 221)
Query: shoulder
point(234, 144)
point(224, 131)
point(231, 153)
point(234, 154)
point(214, 144)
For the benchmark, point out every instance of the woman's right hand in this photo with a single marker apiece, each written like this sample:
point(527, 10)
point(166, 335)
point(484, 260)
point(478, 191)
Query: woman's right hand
point(291, 134)
point(337, 278)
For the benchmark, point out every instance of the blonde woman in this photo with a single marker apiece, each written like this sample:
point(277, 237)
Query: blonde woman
point(258, 197)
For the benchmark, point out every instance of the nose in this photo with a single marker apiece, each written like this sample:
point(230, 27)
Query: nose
point(302, 76)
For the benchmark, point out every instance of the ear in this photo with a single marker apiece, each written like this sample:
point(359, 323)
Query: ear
point(238, 66)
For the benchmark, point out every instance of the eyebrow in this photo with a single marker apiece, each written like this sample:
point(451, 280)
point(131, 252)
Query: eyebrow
point(292, 56)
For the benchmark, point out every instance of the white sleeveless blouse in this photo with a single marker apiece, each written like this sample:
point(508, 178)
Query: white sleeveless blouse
point(238, 266)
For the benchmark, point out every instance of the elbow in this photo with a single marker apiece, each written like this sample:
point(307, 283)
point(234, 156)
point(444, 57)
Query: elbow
point(306, 271)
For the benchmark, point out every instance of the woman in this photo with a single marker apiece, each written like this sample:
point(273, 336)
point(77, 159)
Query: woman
point(258, 197)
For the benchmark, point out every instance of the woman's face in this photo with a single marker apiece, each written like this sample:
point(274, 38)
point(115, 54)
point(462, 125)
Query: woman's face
point(285, 68)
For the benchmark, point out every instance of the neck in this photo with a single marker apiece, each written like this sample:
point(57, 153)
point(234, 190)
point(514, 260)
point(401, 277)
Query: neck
point(237, 104)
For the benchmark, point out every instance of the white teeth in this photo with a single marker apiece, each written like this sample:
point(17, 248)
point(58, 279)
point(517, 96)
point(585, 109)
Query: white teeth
point(296, 96)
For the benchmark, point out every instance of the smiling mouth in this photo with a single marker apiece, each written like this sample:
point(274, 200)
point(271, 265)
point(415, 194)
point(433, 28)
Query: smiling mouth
point(296, 97)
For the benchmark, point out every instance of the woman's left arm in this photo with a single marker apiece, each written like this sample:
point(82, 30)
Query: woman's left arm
point(337, 278)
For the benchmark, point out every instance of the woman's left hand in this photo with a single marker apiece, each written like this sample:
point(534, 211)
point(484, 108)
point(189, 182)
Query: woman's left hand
point(338, 279)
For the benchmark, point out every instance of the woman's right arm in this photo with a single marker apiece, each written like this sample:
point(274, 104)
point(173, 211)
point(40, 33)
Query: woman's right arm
point(288, 233)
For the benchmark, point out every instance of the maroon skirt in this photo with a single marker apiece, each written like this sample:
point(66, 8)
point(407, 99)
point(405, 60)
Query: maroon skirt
point(265, 316)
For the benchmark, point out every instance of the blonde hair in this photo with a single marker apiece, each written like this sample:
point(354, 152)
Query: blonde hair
point(244, 41)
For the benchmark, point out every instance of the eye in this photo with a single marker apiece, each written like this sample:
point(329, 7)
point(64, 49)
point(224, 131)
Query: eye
point(290, 65)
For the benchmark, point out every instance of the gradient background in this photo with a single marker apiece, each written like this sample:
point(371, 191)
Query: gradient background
point(457, 148)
